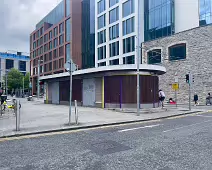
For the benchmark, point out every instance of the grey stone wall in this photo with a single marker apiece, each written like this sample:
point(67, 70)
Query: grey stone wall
point(198, 61)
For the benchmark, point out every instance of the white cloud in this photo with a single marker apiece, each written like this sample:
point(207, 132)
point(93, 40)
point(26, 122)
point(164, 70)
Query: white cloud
point(18, 19)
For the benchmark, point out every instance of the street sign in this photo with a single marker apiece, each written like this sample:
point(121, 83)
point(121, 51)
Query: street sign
point(69, 64)
point(175, 86)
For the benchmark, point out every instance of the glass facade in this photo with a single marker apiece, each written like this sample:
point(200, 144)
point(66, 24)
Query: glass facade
point(113, 2)
point(205, 12)
point(55, 31)
point(101, 52)
point(101, 6)
point(114, 62)
point(55, 16)
point(68, 30)
point(55, 42)
point(114, 15)
point(158, 18)
point(114, 49)
point(88, 34)
point(129, 60)
point(102, 37)
point(68, 52)
point(114, 32)
point(128, 26)
point(101, 64)
point(128, 44)
point(61, 28)
point(101, 21)
point(61, 39)
point(154, 56)
point(128, 8)
point(68, 7)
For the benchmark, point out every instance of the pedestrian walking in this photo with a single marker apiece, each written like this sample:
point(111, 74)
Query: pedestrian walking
point(162, 97)
point(195, 99)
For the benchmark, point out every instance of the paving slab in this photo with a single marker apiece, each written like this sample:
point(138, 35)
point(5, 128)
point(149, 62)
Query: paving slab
point(38, 117)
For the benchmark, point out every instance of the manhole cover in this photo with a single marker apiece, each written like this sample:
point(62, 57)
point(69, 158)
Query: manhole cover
point(108, 147)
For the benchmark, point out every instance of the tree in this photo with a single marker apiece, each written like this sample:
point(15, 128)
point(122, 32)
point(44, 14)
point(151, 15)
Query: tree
point(14, 79)
point(26, 81)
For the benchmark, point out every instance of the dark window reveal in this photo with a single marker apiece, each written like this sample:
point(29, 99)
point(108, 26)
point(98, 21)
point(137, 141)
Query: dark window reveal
point(22, 65)
point(177, 52)
point(154, 56)
point(9, 64)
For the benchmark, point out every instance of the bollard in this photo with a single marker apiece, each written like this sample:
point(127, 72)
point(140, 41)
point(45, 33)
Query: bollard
point(76, 112)
point(17, 110)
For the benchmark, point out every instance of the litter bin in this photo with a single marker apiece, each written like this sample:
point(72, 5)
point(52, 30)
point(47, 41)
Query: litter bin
point(3, 98)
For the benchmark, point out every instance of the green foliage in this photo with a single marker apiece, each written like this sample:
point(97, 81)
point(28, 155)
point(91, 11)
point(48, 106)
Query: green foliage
point(14, 79)
point(26, 81)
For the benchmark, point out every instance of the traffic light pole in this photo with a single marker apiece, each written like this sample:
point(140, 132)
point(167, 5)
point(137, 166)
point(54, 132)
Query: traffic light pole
point(189, 96)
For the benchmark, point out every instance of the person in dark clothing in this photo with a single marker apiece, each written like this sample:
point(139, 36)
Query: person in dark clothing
point(195, 99)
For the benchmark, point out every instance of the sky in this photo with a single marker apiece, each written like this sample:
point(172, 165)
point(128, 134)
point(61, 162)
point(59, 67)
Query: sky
point(18, 19)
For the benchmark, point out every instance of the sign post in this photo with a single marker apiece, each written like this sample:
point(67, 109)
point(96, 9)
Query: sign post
point(70, 67)
point(175, 87)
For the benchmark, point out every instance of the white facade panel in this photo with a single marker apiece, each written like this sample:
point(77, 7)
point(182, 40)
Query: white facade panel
point(186, 15)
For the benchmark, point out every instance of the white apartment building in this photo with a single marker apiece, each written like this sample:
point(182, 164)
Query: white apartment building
point(172, 33)
point(13, 60)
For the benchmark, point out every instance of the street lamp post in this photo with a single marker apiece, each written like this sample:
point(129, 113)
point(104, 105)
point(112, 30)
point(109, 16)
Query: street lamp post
point(6, 91)
point(138, 82)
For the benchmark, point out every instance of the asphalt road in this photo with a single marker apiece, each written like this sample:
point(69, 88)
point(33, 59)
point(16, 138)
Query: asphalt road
point(171, 144)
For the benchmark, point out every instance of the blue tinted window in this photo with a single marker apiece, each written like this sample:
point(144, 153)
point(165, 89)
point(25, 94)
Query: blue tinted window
point(68, 30)
point(159, 19)
point(114, 49)
point(55, 16)
point(55, 31)
point(128, 26)
point(102, 37)
point(205, 12)
point(129, 45)
point(50, 45)
point(101, 21)
point(129, 60)
point(61, 39)
point(22, 65)
point(114, 62)
point(128, 8)
point(68, 52)
point(113, 2)
point(114, 32)
point(55, 42)
point(50, 35)
point(101, 52)
point(101, 6)
point(68, 7)
point(114, 15)
point(61, 28)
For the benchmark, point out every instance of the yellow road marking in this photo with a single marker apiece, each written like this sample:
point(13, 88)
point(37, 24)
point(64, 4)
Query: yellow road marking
point(94, 128)
point(70, 131)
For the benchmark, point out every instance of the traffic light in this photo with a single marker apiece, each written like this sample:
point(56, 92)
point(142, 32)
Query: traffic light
point(193, 79)
point(187, 78)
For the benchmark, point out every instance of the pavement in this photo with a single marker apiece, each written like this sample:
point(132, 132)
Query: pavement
point(37, 117)
point(179, 143)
